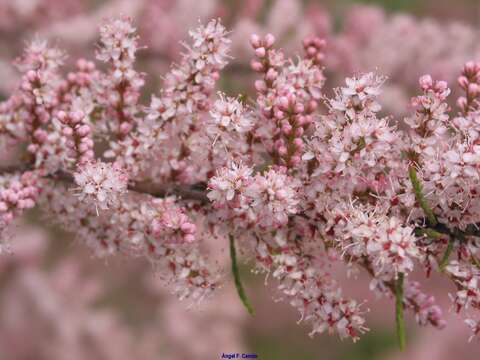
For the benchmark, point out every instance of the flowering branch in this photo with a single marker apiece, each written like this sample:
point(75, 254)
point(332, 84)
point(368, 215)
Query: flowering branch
point(294, 185)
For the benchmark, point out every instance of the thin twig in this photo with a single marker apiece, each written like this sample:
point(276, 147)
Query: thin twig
point(444, 262)
point(236, 276)
point(417, 188)
point(399, 311)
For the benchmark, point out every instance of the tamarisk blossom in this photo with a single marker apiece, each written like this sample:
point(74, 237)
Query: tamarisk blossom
point(424, 306)
point(121, 86)
point(287, 95)
point(18, 192)
point(264, 200)
point(230, 184)
point(188, 85)
point(466, 277)
point(229, 113)
point(101, 183)
point(185, 95)
point(78, 137)
point(306, 284)
point(474, 326)
point(314, 48)
point(388, 245)
point(38, 95)
point(353, 151)
point(273, 197)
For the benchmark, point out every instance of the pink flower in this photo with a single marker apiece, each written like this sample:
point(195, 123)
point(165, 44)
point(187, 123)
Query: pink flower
point(273, 197)
point(229, 182)
point(474, 325)
point(230, 114)
point(102, 183)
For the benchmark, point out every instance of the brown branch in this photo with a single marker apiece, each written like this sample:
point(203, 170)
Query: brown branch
point(195, 192)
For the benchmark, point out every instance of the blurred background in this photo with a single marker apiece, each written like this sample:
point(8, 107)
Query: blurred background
point(58, 302)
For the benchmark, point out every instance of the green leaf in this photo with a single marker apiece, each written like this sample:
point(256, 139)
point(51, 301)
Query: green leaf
point(236, 277)
point(444, 262)
point(399, 311)
point(417, 188)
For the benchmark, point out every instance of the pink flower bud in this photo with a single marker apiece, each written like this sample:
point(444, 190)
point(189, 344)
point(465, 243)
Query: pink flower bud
point(32, 148)
point(282, 150)
point(260, 85)
point(441, 85)
point(298, 142)
point(256, 66)
point(425, 82)
point(299, 131)
point(311, 51)
point(82, 64)
point(40, 135)
point(89, 154)
point(462, 103)
point(283, 103)
point(61, 115)
point(255, 40)
point(188, 228)
point(88, 141)
point(271, 74)
point(12, 197)
point(279, 143)
point(125, 128)
point(77, 116)
point(189, 238)
point(470, 68)
point(71, 77)
point(320, 43)
point(299, 108)
point(462, 82)
point(286, 129)
point(260, 52)
point(8, 217)
point(26, 86)
point(67, 131)
point(31, 75)
point(83, 130)
point(295, 160)
point(279, 114)
point(269, 40)
point(83, 148)
point(473, 89)
point(320, 57)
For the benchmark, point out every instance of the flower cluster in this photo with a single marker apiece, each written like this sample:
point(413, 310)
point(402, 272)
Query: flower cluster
point(17, 194)
point(102, 183)
point(388, 245)
point(120, 89)
point(308, 286)
point(188, 85)
point(424, 306)
point(288, 95)
point(264, 200)
point(466, 277)
point(295, 185)
point(229, 114)
point(78, 136)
